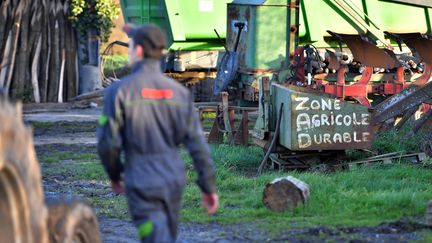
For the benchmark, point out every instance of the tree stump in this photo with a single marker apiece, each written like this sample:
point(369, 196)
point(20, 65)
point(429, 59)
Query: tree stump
point(285, 193)
point(429, 214)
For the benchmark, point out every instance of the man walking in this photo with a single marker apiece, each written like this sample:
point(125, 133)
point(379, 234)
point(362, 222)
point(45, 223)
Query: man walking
point(148, 116)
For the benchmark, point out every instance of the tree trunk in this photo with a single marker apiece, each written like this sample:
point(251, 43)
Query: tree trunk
point(5, 10)
point(46, 50)
point(71, 65)
point(10, 58)
point(22, 62)
point(55, 55)
point(33, 36)
point(285, 193)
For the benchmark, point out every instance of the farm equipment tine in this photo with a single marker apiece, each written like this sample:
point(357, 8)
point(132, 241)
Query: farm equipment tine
point(215, 136)
point(369, 54)
point(396, 38)
point(228, 117)
point(424, 78)
point(422, 46)
point(403, 102)
point(333, 60)
point(242, 134)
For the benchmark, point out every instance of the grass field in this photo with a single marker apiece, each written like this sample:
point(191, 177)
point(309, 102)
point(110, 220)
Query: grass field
point(362, 197)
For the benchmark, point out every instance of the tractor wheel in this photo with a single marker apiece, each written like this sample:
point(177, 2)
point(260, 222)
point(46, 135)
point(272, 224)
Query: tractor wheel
point(23, 213)
point(72, 221)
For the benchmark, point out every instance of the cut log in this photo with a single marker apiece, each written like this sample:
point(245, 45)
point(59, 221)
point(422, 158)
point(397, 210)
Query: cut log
point(285, 193)
point(429, 214)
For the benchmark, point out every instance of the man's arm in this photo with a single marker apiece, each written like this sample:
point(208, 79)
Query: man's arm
point(200, 153)
point(109, 136)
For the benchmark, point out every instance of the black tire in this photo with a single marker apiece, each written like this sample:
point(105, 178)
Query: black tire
point(72, 222)
point(22, 211)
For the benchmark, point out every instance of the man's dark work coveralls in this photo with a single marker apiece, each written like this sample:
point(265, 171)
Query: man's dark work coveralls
point(148, 116)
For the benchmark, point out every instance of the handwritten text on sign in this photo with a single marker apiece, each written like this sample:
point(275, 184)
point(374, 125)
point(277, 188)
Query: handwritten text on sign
point(317, 121)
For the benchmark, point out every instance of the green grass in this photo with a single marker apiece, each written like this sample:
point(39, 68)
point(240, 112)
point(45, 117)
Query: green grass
point(116, 64)
point(62, 156)
point(365, 196)
point(114, 207)
point(394, 141)
point(71, 126)
point(425, 236)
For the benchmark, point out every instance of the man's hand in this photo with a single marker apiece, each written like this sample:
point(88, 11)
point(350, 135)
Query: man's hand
point(210, 203)
point(117, 187)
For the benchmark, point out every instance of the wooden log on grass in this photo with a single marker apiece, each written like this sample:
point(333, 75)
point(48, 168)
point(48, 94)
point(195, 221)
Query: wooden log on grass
point(285, 193)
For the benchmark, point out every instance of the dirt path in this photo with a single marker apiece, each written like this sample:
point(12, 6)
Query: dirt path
point(75, 115)
point(118, 228)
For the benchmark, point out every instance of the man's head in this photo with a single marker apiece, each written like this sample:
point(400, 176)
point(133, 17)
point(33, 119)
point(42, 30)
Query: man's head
point(146, 41)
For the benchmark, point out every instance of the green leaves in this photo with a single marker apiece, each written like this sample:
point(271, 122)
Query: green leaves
point(93, 14)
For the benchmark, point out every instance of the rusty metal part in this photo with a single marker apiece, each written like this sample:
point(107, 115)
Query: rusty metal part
point(425, 77)
point(298, 67)
point(422, 45)
point(241, 136)
point(215, 136)
point(257, 70)
point(228, 118)
point(381, 107)
point(190, 76)
point(224, 122)
point(358, 91)
point(372, 56)
point(355, 77)
point(334, 62)
point(293, 20)
point(408, 114)
point(408, 98)
point(369, 54)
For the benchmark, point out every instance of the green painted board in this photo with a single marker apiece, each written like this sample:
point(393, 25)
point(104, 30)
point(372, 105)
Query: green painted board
point(315, 122)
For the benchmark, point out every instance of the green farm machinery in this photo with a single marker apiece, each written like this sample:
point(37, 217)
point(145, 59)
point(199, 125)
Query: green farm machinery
point(194, 47)
point(314, 69)
point(315, 73)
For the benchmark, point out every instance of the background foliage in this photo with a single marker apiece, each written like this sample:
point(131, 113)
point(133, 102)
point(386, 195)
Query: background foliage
point(94, 14)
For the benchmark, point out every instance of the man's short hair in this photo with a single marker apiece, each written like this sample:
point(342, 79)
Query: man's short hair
point(150, 37)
